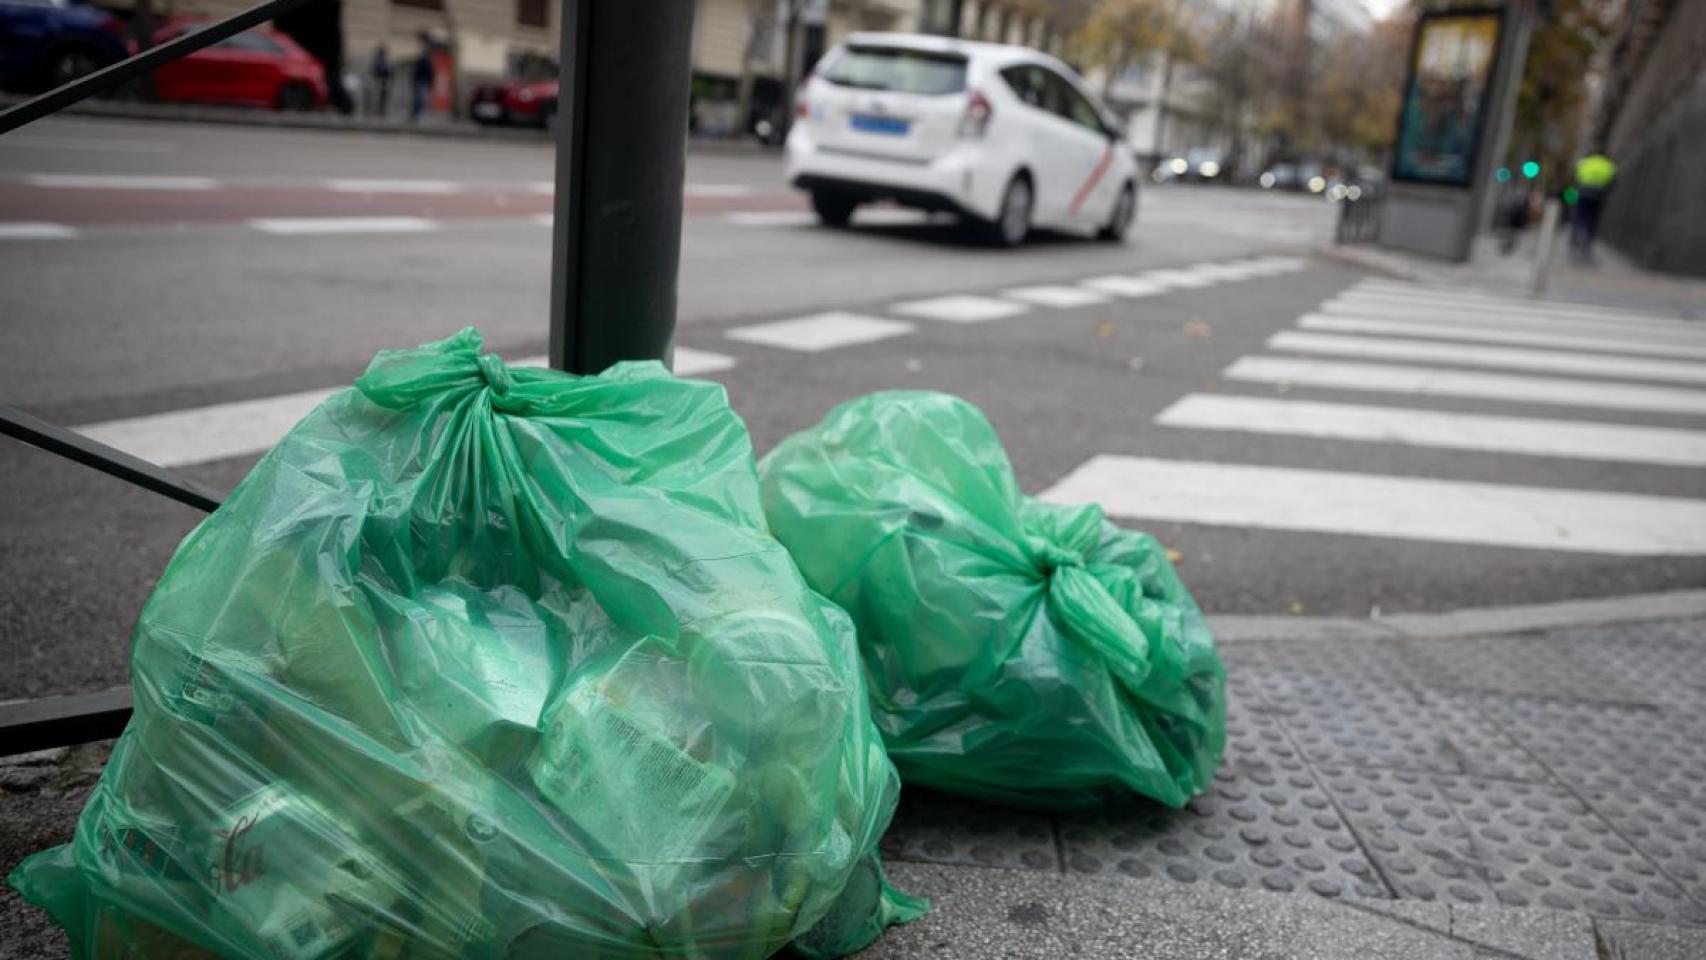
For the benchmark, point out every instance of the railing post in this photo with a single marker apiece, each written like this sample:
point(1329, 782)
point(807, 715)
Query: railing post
point(621, 158)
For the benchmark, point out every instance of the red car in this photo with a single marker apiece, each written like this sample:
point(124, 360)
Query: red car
point(517, 103)
point(258, 68)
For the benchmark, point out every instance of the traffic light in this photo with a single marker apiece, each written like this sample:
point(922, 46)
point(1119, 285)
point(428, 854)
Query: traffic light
point(1571, 195)
point(1503, 174)
point(1531, 169)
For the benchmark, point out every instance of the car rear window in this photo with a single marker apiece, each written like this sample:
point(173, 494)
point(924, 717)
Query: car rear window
point(897, 69)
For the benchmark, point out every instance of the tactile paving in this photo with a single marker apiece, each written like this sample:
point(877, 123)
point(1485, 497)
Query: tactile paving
point(1603, 746)
point(1670, 832)
point(1264, 823)
point(938, 828)
point(1541, 666)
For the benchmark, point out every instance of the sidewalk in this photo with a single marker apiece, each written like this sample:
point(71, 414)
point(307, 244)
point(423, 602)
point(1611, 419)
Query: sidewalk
point(1609, 281)
point(1519, 783)
point(434, 125)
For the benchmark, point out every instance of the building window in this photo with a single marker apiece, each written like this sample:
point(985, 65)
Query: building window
point(421, 4)
point(533, 13)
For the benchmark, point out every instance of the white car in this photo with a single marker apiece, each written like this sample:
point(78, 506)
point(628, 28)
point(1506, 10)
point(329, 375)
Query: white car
point(1003, 135)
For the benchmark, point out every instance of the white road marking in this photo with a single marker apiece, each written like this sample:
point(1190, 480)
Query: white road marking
point(1234, 270)
point(1435, 381)
point(821, 331)
point(1124, 285)
point(1055, 296)
point(1513, 358)
point(203, 434)
point(1470, 297)
point(28, 230)
point(1178, 278)
point(1431, 301)
point(84, 181)
point(717, 190)
point(1277, 265)
point(1407, 308)
point(392, 186)
point(692, 363)
point(305, 226)
point(1626, 343)
point(1667, 332)
point(772, 218)
point(960, 308)
point(1429, 428)
point(1446, 511)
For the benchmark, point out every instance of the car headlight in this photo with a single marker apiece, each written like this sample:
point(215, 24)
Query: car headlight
point(1353, 192)
point(1179, 166)
point(1267, 181)
point(1317, 184)
point(1209, 168)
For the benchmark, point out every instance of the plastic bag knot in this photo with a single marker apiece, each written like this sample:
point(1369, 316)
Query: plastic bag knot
point(1053, 556)
point(496, 374)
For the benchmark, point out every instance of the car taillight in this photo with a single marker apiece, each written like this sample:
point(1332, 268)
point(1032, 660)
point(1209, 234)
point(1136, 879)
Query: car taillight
point(802, 109)
point(976, 119)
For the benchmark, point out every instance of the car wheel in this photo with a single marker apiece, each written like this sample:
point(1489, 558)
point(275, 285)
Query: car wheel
point(1013, 221)
point(1119, 221)
point(833, 209)
point(294, 97)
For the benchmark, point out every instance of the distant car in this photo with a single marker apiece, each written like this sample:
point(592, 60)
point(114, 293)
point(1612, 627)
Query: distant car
point(1003, 135)
point(515, 103)
point(256, 68)
point(1293, 176)
point(45, 43)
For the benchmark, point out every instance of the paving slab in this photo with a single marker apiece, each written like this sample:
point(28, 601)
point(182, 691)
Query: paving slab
point(984, 913)
point(1624, 940)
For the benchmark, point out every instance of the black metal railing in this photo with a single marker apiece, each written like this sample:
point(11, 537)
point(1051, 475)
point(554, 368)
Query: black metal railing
point(625, 72)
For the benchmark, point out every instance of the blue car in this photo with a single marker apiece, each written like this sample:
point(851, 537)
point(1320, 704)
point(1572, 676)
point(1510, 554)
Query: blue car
point(44, 43)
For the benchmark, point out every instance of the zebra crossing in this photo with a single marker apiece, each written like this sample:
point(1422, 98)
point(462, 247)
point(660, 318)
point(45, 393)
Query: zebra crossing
point(840, 328)
point(1379, 352)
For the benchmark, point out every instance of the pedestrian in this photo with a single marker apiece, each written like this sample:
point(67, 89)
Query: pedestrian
point(380, 70)
point(421, 84)
point(1594, 175)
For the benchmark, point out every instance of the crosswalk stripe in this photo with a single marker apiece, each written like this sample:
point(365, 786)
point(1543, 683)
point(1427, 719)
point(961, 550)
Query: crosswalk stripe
point(30, 230)
point(1473, 297)
point(1498, 334)
point(240, 428)
point(1668, 333)
point(1055, 296)
point(960, 308)
point(820, 331)
point(1383, 348)
point(308, 226)
point(84, 181)
point(354, 185)
point(1500, 307)
point(1406, 307)
point(1448, 511)
point(1186, 278)
point(1428, 428)
point(1435, 381)
point(1122, 285)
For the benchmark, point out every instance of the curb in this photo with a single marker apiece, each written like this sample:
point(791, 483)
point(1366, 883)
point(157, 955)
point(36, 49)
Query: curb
point(1478, 622)
point(336, 123)
point(1381, 262)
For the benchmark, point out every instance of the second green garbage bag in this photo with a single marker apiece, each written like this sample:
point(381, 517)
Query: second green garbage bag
point(1016, 651)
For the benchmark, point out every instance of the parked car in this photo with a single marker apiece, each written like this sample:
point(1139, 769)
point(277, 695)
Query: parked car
point(1005, 136)
point(515, 103)
point(44, 43)
point(257, 68)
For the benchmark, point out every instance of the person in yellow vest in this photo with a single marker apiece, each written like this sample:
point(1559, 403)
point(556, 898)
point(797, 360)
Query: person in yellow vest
point(1594, 174)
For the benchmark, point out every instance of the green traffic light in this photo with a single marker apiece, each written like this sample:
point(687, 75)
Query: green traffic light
point(1531, 169)
point(1503, 174)
point(1570, 196)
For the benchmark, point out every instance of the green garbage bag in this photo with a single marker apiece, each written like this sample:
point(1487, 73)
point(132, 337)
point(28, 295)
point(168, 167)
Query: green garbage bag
point(482, 662)
point(1016, 651)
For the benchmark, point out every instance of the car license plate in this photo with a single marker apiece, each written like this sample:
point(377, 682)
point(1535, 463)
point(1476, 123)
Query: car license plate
point(891, 126)
point(488, 109)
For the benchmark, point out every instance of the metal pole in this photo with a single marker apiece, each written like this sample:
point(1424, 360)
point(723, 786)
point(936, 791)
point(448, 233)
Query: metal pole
point(621, 159)
point(1544, 247)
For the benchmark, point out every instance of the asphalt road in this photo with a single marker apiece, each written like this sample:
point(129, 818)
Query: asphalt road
point(127, 299)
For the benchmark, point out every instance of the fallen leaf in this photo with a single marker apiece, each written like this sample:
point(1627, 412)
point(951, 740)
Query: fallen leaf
point(1175, 556)
point(1104, 329)
point(1198, 330)
point(1296, 608)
